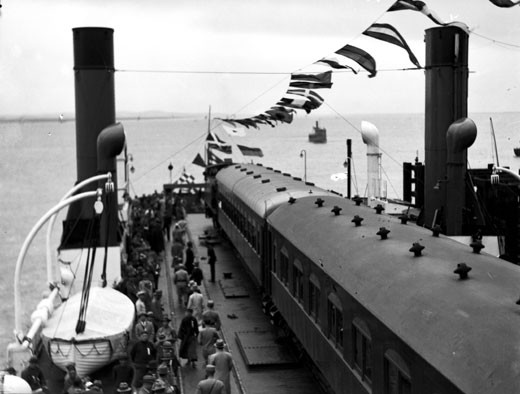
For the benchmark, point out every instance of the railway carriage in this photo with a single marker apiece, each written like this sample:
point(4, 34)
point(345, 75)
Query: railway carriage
point(373, 316)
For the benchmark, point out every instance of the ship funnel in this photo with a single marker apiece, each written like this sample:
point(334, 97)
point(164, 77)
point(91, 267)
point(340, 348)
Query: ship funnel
point(370, 135)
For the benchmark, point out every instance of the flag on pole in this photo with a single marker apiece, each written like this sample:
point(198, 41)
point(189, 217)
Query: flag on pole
point(388, 33)
point(248, 151)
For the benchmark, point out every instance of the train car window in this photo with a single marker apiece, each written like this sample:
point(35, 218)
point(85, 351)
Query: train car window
point(335, 320)
point(297, 281)
point(362, 346)
point(314, 296)
point(397, 374)
point(284, 267)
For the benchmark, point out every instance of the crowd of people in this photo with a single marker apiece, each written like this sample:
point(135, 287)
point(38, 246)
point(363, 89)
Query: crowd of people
point(158, 349)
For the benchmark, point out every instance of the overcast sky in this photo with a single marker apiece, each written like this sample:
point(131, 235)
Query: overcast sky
point(244, 36)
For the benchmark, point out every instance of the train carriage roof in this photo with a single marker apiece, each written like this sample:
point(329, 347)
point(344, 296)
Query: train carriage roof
point(469, 330)
point(247, 182)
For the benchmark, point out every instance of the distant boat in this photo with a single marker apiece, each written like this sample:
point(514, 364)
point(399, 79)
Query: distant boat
point(319, 134)
point(517, 151)
point(61, 118)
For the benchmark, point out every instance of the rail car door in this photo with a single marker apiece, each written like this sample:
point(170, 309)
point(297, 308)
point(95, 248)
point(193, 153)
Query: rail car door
point(267, 253)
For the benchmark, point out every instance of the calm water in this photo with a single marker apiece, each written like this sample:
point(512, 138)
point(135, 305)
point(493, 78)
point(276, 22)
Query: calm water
point(37, 166)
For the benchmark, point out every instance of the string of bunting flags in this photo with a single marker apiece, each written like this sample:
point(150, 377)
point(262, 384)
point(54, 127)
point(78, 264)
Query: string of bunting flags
point(301, 94)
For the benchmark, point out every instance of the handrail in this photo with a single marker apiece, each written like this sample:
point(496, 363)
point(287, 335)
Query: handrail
point(50, 278)
point(27, 243)
point(497, 169)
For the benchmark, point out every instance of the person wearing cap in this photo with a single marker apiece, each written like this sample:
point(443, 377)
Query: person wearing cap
point(140, 304)
point(72, 380)
point(196, 273)
point(223, 362)
point(177, 250)
point(124, 388)
point(169, 332)
point(148, 382)
point(157, 308)
point(196, 302)
point(208, 336)
point(189, 257)
point(210, 385)
point(141, 354)
point(212, 260)
point(188, 332)
point(180, 279)
point(210, 317)
point(163, 377)
point(123, 371)
point(33, 375)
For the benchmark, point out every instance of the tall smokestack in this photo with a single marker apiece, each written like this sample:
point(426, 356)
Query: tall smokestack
point(95, 110)
point(446, 101)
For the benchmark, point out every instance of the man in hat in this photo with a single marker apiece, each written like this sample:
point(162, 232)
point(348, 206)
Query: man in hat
point(148, 382)
point(34, 375)
point(188, 332)
point(223, 362)
point(165, 329)
point(140, 304)
point(211, 317)
point(164, 377)
point(196, 302)
point(210, 385)
point(212, 260)
point(208, 337)
point(72, 380)
point(123, 371)
point(189, 257)
point(124, 388)
point(141, 354)
point(180, 279)
point(196, 274)
point(144, 325)
point(157, 308)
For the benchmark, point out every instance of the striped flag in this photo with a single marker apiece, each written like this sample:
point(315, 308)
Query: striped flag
point(505, 3)
point(281, 114)
point(213, 158)
point(360, 57)
point(248, 151)
point(416, 5)
point(186, 178)
point(334, 62)
point(388, 33)
point(221, 148)
point(311, 81)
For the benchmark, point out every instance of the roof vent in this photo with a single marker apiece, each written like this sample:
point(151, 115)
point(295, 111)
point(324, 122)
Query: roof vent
point(404, 218)
point(286, 174)
point(259, 164)
point(257, 176)
point(266, 180)
point(297, 179)
point(416, 249)
point(319, 202)
point(379, 208)
point(477, 246)
point(243, 169)
point(383, 232)
point(277, 171)
point(357, 200)
point(436, 230)
point(336, 210)
point(238, 166)
point(249, 172)
point(269, 168)
point(310, 184)
point(292, 200)
point(357, 220)
point(462, 271)
point(281, 189)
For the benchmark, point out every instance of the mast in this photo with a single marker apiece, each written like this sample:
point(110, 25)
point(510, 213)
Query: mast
point(206, 150)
